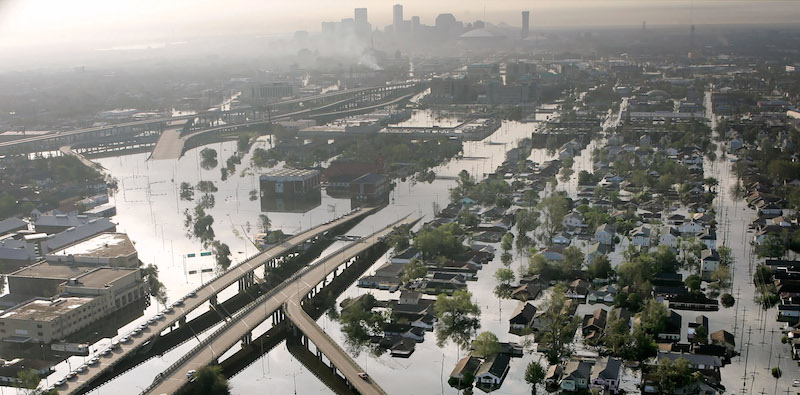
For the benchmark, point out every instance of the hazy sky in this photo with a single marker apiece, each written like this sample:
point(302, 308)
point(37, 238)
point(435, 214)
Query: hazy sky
point(24, 23)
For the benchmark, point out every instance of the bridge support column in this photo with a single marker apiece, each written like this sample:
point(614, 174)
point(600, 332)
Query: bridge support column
point(247, 339)
point(213, 300)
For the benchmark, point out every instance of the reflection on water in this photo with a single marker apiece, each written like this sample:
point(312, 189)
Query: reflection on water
point(295, 204)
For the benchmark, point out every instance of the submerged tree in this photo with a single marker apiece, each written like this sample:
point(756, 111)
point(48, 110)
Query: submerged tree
point(458, 318)
point(208, 158)
point(485, 345)
point(414, 269)
point(156, 287)
point(534, 374)
point(223, 255)
point(209, 380)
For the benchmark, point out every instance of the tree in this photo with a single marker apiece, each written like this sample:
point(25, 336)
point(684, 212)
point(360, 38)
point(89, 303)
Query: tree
point(665, 259)
point(29, 379)
point(505, 277)
point(762, 276)
point(264, 223)
point(573, 259)
point(653, 317)
point(616, 333)
point(208, 158)
point(726, 257)
point(414, 269)
point(559, 328)
point(600, 267)
point(673, 374)
point(156, 287)
point(693, 282)
point(465, 184)
point(441, 241)
point(206, 187)
point(777, 373)
point(553, 209)
point(721, 277)
point(243, 143)
point(526, 221)
point(534, 374)
point(773, 246)
point(359, 322)
point(467, 219)
point(701, 334)
point(222, 253)
point(485, 345)
point(186, 191)
point(209, 380)
point(399, 238)
point(727, 300)
point(458, 318)
point(637, 271)
point(507, 243)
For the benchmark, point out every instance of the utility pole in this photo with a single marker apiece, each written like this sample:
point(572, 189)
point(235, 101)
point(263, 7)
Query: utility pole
point(776, 379)
point(741, 343)
point(771, 336)
point(736, 316)
point(746, 358)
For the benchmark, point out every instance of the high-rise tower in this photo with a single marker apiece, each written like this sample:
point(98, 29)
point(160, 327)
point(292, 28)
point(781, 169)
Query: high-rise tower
point(526, 16)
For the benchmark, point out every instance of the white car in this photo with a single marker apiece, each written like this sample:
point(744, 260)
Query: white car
point(796, 383)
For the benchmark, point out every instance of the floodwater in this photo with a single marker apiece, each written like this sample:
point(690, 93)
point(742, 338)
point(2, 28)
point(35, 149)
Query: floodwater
point(150, 211)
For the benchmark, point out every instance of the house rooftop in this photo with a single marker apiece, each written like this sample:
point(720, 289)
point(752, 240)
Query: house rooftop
point(496, 365)
point(606, 368)
point(12, 224)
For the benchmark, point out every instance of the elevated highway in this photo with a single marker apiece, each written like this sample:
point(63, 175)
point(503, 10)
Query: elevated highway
point(53, 141)
point(285, 301)
point(243, 273)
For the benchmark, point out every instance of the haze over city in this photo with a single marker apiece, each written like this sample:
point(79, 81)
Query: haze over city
point(426, 197)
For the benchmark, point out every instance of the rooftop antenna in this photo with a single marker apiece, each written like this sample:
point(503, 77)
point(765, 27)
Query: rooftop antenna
point(691, 28)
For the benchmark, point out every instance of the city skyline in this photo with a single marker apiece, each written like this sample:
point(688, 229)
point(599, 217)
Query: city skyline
point(96, 23)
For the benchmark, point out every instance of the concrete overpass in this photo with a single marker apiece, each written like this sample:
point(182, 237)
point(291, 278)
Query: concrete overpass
point(53, 141)
point(172, 144)
point(242, 273)
point(285, 301)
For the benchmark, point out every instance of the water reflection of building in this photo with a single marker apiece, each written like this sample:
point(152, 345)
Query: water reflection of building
point(296, 204)
point(369, 187)
point(290, 190)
